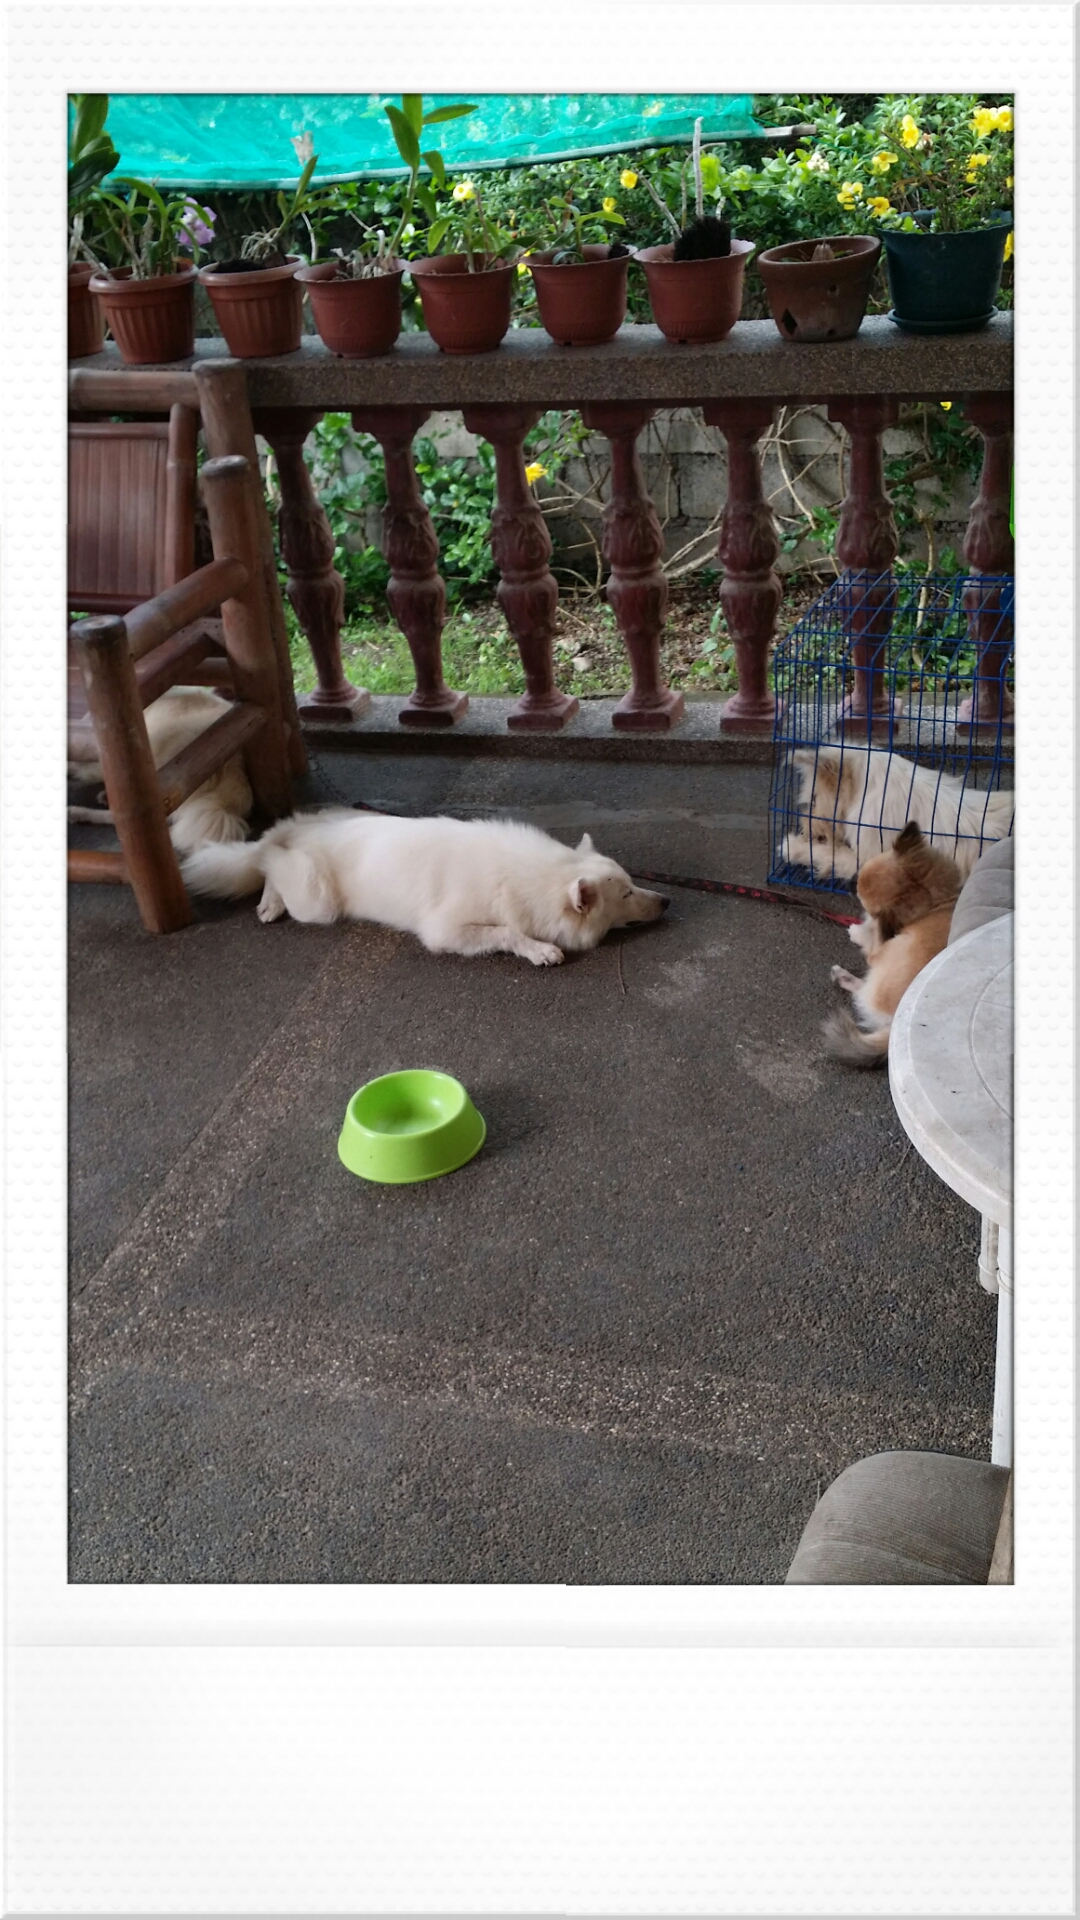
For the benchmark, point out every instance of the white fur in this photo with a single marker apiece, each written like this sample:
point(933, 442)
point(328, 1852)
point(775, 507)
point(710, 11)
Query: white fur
point(218, 810)
point(857, 799)
point(461, 886)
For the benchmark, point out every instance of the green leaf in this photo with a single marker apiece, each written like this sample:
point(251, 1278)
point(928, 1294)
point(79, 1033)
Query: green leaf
point(305, 178)
point(427, 200)
point(91, 113)
point(434, 161)
point(447, 113)
point(436, 232)
point(412, 106)
point(405, 139)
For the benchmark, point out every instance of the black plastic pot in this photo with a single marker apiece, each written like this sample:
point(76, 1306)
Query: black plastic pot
point(945, 282)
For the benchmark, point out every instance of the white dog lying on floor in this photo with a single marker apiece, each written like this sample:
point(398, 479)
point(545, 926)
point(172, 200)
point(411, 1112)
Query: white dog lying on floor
point(461, 886)
point(216, 811)
point(855, 800)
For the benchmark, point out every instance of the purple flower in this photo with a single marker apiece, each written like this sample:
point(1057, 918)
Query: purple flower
point(194, 229)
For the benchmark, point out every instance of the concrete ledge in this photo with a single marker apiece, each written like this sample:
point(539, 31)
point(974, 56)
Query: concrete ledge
point(639, 364)
point(697, 739)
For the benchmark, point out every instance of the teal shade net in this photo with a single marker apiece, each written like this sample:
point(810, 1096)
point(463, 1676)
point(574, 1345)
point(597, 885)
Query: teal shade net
point(237, 140)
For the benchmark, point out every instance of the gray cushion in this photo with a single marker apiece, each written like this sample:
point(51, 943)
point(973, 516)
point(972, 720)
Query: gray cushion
point(987, 892)
point(904, 1519)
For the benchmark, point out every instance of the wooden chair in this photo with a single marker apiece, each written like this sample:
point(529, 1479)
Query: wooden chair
point(158, 622)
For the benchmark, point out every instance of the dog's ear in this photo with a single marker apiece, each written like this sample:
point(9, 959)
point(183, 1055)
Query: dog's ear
point(585, 845)
point(583, 893)
point(909, 839)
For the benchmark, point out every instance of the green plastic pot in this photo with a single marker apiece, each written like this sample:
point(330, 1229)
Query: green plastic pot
point(410, 1126)
point(945, 282)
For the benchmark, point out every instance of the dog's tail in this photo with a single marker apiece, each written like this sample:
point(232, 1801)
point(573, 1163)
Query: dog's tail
point(225, 870)
point(847, 1041)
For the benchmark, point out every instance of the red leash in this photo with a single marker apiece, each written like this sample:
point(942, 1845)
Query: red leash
point(747, 893)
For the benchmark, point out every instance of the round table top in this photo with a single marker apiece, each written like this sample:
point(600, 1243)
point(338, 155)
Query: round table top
point(950, 1067)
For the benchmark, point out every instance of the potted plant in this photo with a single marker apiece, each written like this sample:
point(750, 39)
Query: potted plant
point(149, 299)
point(695, 281)
point(255, 296)
point(945, 176)
point(466, 295)
point(356, 296)
point(581, 283)
point(91, 156)
point(819, 289)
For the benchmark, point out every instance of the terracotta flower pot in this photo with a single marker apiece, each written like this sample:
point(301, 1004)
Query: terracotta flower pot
point(584, 302)
point(86, 328)
point(813, 300)
point(946, 282)
point(360, 318)
point(152, 321)
point(259, 313)
point(465, 312)
point(695, 299)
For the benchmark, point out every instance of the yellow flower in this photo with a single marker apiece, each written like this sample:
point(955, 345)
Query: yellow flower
point(1009, 181)
point(1003, 120)
point(946, 404)
point(882, 161)
point(628, 179)
point(464, 190)
point(879, 204)
point(910, 134)
point(535, 472)
point(609, 204)
point(1009, 248)
point(849, 193)
point(978, 159)
point(984, 120)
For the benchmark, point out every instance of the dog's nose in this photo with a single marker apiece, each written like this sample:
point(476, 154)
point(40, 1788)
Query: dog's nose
point(664, 902)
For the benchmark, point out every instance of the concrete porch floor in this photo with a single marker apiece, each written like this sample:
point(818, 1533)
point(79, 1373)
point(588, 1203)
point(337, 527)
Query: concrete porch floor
point(694, 1272)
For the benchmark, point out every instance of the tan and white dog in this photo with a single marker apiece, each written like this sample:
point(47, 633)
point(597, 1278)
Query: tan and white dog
point(907, 896)
point(461, 886)
point(855, 800)
point(218, 810)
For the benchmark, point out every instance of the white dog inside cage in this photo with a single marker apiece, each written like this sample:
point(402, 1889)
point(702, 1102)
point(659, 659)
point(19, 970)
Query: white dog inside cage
point(853, 801)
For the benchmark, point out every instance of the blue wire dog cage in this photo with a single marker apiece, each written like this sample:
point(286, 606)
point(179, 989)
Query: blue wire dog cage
point(894, 702)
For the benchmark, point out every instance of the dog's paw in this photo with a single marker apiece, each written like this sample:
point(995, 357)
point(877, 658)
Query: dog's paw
point(844, 979)
point(544, 955)
point(270, 907)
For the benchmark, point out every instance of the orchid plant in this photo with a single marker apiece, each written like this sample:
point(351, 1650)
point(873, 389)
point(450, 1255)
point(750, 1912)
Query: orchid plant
point(707, 234)
point(91, 156)
point(472, 231)
point(576, 230)
point(266, 248)
point(144, 232)
point(378, 251)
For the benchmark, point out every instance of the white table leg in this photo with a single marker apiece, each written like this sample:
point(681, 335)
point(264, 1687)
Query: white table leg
point(1001, 1450)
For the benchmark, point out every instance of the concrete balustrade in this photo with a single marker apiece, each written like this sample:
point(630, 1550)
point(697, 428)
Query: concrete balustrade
point(617, 387)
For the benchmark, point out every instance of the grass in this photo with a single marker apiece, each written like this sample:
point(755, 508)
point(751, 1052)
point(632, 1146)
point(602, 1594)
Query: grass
point(480, 656)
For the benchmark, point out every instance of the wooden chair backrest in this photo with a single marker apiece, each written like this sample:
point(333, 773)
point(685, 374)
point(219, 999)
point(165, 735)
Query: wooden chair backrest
point(131, 509)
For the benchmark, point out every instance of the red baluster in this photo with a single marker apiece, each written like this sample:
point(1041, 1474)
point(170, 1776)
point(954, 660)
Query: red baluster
point(866, 547)
point(417, 592)
point(633, 547)
point(314, 586)
point(521, 545)
point(748, 546)
point(988, 549)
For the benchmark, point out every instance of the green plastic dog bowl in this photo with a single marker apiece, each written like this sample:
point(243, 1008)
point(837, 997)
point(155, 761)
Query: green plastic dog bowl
point(410, 1126)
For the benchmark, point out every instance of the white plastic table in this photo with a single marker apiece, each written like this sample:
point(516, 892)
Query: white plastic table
point(950, 1071)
